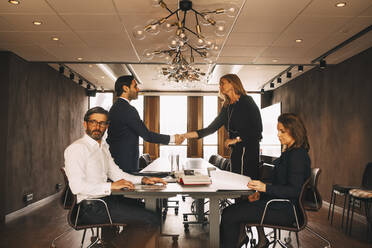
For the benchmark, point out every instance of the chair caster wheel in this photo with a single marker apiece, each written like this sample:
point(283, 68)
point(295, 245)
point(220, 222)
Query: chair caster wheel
point(185, 217)
point(176, 211)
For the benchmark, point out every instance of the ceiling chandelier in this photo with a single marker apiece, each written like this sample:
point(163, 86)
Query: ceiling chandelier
point(185, 42)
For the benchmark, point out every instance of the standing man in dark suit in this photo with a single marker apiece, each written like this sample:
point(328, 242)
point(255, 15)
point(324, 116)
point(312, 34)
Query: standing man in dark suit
point(126, 126)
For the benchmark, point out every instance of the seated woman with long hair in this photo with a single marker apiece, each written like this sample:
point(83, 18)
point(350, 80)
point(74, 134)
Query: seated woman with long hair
point(291, 171)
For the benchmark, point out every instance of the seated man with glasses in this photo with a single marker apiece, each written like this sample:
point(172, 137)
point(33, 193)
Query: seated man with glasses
point(88, 166)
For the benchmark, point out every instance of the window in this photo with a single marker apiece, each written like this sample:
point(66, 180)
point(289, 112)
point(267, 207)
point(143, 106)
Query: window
point(103, 100)
point(210, 142)
point(173, 120)
point(270, 145)
point(138, 104)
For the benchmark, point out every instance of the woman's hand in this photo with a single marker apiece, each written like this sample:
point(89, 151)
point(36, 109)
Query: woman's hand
point(257, 185)
point(229, 142)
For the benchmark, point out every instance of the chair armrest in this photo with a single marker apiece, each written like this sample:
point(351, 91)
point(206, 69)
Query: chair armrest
point(97, 200)
point(277, 200)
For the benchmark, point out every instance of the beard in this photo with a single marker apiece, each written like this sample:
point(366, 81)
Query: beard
point(95, 134)
point(133, 95)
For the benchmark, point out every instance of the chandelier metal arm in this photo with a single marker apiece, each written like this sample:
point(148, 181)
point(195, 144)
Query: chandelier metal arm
point(164, 5)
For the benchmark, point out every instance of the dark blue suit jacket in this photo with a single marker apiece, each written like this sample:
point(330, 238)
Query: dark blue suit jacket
point(123, 132)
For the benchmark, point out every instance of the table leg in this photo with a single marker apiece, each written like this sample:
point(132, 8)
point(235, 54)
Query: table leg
point(214, 223)
point(150, 204)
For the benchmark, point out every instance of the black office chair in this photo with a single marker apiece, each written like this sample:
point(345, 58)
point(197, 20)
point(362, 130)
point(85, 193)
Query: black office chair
point(212, 159)
point(300, 219)
point(75, 223)
point(364, 195)
point(144, 160)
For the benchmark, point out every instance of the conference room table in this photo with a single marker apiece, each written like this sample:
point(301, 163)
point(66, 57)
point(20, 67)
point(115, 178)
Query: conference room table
point(225, 185)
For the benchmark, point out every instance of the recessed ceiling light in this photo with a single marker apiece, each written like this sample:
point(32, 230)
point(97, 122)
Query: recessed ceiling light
point(15, 2)
point(37, 23)
point(340, 4)
point(102, 77)
point(299, 40)
point(55, 38)
point(275, 60)
point(80, 58)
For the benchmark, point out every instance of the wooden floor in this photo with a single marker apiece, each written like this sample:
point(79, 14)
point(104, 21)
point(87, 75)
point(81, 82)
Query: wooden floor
point(39, 228)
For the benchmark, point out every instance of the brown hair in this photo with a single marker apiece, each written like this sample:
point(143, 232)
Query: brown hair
point(236, 83)
point(296, 128)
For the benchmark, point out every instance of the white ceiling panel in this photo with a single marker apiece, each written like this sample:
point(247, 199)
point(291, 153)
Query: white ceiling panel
point(317, 24)
point(246, 51)
point(328, 8)
point(273, 8)
point(5, 25)
point(251, 39)
point(27, 6)
point(256, 24)
point(31, 52)
point(45, 38)
point(97, 22)
point(82, 6)
point(24, 22)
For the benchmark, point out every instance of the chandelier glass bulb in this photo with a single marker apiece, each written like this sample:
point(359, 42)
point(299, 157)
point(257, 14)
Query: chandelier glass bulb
point(152, 27)
point(138, 33)
point(148, 54)
point(220, 28)
point(231, 10)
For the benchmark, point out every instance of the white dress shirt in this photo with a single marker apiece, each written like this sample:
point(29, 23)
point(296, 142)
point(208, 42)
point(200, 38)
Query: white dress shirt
point(88, 165)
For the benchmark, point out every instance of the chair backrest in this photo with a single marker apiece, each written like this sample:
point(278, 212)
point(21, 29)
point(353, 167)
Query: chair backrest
point(212, 159)
point(142, 163)
point(147, 157)
point(367, 177)
point(67, 197)
point(301, 213)
point(218, 161)
point(226, 164)
point(313, 199)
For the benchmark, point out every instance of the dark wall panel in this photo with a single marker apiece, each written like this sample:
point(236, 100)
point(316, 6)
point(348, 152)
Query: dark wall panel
point(336, 106)
point(4, 78)
point(45, 112)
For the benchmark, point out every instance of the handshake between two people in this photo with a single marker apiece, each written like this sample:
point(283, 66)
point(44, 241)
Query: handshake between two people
point(179, 138)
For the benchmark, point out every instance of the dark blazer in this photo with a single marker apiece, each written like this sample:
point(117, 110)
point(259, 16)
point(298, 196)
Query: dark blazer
point(123, 132)
point(291, 171)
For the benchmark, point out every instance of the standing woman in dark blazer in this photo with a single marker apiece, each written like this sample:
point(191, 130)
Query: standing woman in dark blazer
point(242, 119)
point(291, 171)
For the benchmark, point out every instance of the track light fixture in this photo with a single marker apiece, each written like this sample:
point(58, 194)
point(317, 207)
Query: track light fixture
point(61, 69)
point(289, 74)
point(272, 84)
point(88, 86)
point(262, 91)
point(300, 68)
point(72, 76)
point(80, 82)
point(279, 80)
point(322, 64)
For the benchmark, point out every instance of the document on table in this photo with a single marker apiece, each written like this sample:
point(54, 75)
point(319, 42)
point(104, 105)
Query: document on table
point(225, 180)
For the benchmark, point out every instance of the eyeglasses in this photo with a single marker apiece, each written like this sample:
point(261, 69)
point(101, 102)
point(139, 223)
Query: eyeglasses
point(95, 123)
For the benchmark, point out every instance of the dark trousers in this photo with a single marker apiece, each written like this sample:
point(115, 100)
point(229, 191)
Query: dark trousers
point(245, 159)
point(122, 210)
point(246, 212)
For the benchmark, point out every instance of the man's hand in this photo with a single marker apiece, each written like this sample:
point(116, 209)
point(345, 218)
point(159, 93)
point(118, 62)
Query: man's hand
point(229, 142)
point(122, 183)
point(179, 138)
point(257, 185)
point(152, 180)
